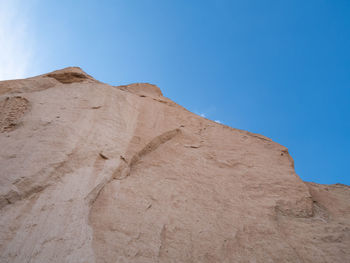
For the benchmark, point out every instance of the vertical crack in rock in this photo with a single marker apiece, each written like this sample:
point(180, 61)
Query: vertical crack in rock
point(162, 238)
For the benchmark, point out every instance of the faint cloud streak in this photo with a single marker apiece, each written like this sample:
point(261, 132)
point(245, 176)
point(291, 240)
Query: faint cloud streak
point(16, 42)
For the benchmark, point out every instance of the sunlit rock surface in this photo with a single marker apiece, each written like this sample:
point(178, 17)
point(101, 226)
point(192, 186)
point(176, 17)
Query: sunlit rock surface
point(95, 173)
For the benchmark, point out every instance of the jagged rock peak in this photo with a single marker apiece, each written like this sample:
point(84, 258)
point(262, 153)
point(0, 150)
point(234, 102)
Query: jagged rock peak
point(69, 75)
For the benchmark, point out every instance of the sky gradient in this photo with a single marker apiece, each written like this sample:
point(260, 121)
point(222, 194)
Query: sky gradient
point(278, 68)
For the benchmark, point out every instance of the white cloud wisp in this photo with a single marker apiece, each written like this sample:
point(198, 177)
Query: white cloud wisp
point(16, 43)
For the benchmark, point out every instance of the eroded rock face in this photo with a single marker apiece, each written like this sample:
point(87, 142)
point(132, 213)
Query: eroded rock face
point(95, 173)
point(11, 111)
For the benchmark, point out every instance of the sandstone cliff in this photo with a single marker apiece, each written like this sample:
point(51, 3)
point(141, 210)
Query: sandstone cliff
point(95, 173)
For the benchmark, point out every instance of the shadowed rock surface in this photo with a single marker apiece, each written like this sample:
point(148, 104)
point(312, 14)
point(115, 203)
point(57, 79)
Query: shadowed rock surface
point(95, 173)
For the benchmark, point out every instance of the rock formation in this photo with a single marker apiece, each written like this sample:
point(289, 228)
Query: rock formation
point(96, 173)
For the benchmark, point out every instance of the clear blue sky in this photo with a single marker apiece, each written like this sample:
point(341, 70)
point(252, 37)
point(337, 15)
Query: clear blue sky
point(278, 68)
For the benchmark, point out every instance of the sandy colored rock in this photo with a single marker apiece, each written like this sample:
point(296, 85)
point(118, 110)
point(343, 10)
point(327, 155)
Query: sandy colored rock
point(95, 173)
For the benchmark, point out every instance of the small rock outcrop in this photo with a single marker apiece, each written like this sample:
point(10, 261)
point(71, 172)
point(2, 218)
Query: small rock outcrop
point(96, 173)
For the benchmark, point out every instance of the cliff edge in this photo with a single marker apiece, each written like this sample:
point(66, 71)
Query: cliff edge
point(96, 173)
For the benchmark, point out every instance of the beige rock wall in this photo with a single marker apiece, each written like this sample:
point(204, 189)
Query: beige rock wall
point(95, 173)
